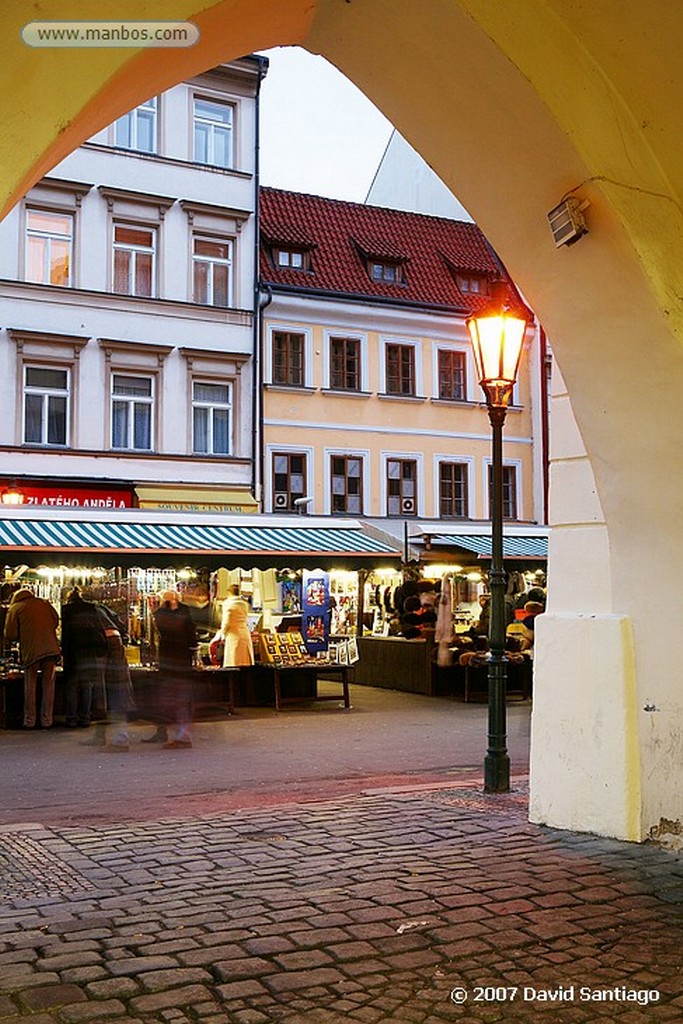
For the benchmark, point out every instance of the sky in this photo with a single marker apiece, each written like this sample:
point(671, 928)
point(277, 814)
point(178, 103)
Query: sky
point(319, 133)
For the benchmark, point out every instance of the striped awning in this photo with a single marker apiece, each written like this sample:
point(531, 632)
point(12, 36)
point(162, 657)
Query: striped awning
point(128, 542)
point(480, 545)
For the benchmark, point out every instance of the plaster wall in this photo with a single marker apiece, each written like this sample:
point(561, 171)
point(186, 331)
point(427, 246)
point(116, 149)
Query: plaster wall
point(516, 106)
point(320, 422)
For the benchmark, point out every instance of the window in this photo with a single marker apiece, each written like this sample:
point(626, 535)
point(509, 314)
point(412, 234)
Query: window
point(472, 284)
point(288, 358)
point(387, 271)
point(452, 375)
point(453, 503)
point(213, 133)
point(46, 404)
point(134, 250)
point(293, 259)
point(289, 480)
point(49, 242)
point(212, 271)
point(347, 484)
point(401, 487)
point(345, 364)
point(211, 418)
point(138, 128)
point(400, 369)
point(509, 491)
point(131, 412)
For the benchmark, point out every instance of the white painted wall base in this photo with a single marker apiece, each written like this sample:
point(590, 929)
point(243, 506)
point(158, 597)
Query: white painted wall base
point(585, 761)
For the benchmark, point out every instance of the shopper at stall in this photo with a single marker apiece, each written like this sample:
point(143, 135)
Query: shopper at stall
point(33, 622)
point(177, 644)
point(84, 650)
point(238, 649)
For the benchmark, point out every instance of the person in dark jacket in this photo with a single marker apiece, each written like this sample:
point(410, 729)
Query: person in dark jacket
point(177, 644)
point(33, 622)
point(84, 650)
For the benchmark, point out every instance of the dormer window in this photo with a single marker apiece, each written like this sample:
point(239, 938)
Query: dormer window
point(472, 284)
point(387, 271)
point(292, 258)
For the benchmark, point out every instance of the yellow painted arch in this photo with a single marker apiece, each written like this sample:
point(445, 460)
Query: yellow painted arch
point(516, 104)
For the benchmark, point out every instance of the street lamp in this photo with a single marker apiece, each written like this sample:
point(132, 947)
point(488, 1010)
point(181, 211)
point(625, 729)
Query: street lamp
point(497, 335)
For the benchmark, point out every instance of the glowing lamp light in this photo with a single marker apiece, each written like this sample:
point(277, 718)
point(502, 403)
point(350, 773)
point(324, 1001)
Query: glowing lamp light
point(497, 336)
point(12, 495)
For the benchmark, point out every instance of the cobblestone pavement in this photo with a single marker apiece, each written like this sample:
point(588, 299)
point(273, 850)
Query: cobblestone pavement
point(414, 905)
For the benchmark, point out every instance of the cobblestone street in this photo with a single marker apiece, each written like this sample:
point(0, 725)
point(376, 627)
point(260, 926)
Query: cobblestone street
point(419, 904)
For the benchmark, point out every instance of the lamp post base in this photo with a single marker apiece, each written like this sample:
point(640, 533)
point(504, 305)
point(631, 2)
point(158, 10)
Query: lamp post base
point(497, 773)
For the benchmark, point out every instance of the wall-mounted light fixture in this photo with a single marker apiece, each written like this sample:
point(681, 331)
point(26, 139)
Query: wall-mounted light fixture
point(567, 222)
point(12, 495)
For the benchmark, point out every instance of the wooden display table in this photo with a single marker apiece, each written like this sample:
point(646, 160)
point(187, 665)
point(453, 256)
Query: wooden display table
point(282, 674)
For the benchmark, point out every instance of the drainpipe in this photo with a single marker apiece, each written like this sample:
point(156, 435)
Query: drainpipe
point(265, 297)
point(257, 372)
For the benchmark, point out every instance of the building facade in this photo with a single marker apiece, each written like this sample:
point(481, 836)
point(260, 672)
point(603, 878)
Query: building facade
point(370, 403)
point(127, 285)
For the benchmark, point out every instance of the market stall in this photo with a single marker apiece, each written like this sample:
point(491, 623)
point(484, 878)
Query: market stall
point(301, 576)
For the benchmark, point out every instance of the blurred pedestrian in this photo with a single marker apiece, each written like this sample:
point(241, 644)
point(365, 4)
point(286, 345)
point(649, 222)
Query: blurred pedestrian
point(118, 686)
point(238, 649)
point(177, 646)
point(84, 650)
point(33, 622)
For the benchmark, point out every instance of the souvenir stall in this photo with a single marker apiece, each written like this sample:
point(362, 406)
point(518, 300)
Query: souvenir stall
point(303, 619)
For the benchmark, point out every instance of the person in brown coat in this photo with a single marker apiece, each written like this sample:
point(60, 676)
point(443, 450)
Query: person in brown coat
point(33, 622)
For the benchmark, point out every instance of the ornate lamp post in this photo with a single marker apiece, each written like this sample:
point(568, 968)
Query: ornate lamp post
point(497, 335)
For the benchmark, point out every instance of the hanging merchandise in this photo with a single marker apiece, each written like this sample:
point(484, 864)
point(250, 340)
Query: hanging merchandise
point(316, 610)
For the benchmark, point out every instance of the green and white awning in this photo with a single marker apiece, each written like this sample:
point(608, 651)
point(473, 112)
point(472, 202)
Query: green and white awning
point(126, 542)
point(480, 544)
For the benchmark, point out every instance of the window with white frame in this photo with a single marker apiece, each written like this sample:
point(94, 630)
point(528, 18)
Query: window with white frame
point(452, 379)
point(401, 487)
point(400, 369)
point(288, 349)
point(132, 409)
point(212, 271)
point(49, 245)
point(509, 481)
point(453, 492)
point(134, 259)
point(289, 480)
point(346, 480)
point(211, 418)
point(46, 405)
point(345, 364)
point(213, 132)
point(138, 128)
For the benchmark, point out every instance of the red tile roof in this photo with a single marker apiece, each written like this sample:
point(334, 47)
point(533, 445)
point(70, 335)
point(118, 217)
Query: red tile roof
point(342, 236)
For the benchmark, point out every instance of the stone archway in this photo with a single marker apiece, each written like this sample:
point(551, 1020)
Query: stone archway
point(515, 106)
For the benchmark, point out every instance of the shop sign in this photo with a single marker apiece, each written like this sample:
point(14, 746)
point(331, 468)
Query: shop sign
point(76, 497)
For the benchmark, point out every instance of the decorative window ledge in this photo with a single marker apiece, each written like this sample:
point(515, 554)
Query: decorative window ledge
point(386, 396)
point(300, 388)
point(344, 393)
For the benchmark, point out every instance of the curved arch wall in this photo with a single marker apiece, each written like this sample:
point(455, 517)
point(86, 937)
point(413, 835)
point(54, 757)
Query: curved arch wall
point(515, 105)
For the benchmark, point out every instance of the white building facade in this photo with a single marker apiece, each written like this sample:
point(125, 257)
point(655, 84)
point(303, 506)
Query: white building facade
point(127, 290)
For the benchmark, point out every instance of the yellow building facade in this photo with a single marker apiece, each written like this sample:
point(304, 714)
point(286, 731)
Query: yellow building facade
point(370, 402)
